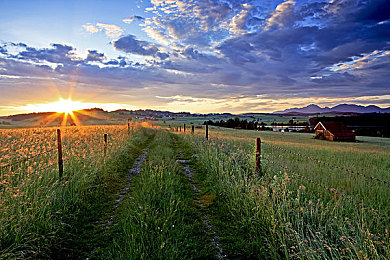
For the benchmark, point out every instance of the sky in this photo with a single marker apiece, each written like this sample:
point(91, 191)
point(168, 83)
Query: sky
point(198, 56)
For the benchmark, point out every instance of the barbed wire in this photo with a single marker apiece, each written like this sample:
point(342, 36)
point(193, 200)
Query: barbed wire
point(329, 164)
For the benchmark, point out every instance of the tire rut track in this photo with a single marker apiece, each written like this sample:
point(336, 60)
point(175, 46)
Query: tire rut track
point(205, 218)
point(106, 224)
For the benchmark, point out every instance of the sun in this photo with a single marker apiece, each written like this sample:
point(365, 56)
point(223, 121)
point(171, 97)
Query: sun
point(66, 106)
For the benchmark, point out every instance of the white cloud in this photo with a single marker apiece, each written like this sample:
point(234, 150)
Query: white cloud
point(282, 16)
point(111, 30)
point(91, 28)
point(133, 18)
point(238, 22)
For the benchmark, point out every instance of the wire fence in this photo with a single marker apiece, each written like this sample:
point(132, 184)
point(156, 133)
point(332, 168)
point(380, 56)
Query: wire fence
point(337, 192)
point(99, 143)
point(91, 145)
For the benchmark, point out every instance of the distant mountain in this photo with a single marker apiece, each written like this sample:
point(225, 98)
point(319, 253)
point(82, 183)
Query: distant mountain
point(343, 108)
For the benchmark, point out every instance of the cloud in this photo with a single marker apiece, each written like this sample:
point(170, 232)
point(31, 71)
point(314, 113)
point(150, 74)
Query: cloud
point(59, 53)
point(335, 49)
point(130, 44)
point(133, 18)
point(111, 30)
point(189, 22)
point(283, 16)
point(91, 28)
point(238, 24)
point(94, 55)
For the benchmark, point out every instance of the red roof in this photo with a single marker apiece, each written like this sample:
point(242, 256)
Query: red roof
point(337, 128)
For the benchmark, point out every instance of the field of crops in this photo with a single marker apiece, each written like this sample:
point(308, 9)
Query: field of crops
point(166, 194)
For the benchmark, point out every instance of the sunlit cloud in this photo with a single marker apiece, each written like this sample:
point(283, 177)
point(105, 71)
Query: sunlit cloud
point(111, 30)
point(262, 103)
point(67, 105)
point(91, 28)
point(283, 15)
point(133, 18)
point(365, 60)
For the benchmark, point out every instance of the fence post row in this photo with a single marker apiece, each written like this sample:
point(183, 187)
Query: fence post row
point(105, 144)
point(258, 156)
point(207, 131)
point(60, 161)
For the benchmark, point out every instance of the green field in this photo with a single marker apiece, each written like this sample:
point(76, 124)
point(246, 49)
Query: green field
point(159, 194)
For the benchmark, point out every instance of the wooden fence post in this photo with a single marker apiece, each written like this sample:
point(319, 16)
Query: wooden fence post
point(180, 128)
point(105, 144)
point(193, 129)
point(184, 128)
point(207, 131)
point(258, 155)
point(60, 161)
point(128, 126)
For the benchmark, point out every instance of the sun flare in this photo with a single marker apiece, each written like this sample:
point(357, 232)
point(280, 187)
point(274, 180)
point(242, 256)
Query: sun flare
point(66, 106)
point(62, 105)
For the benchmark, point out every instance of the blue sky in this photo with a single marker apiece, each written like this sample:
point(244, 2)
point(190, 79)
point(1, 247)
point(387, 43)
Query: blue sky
point(198, 56)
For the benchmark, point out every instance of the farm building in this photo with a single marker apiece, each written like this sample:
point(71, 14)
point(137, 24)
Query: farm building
point(334, 131)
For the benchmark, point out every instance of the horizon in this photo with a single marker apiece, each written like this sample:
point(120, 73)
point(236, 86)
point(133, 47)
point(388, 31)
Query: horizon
point(199, 57)
point(182, 111)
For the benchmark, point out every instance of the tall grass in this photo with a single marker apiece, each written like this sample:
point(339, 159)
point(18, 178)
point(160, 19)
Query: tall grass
point(38, 211)
point(286, 212)
point(281, 215)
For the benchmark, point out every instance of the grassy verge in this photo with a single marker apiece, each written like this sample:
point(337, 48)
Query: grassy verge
point(226, 176)
point(158, 219)
point(50, 218)
point(279, 215)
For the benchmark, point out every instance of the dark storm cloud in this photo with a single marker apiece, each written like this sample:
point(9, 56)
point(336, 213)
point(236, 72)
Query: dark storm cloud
point(299, 51)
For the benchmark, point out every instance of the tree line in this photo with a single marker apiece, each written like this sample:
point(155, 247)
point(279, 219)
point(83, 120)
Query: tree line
point(236, 123)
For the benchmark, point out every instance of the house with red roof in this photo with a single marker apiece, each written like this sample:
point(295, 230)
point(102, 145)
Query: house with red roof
point(334, 131)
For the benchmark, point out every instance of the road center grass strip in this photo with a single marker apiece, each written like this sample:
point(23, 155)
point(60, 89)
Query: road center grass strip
point(158, 219)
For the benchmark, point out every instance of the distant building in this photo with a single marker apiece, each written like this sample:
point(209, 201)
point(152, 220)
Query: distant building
point(334, 131)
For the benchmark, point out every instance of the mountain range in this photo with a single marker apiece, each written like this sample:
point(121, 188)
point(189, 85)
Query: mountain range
point(342, 108)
